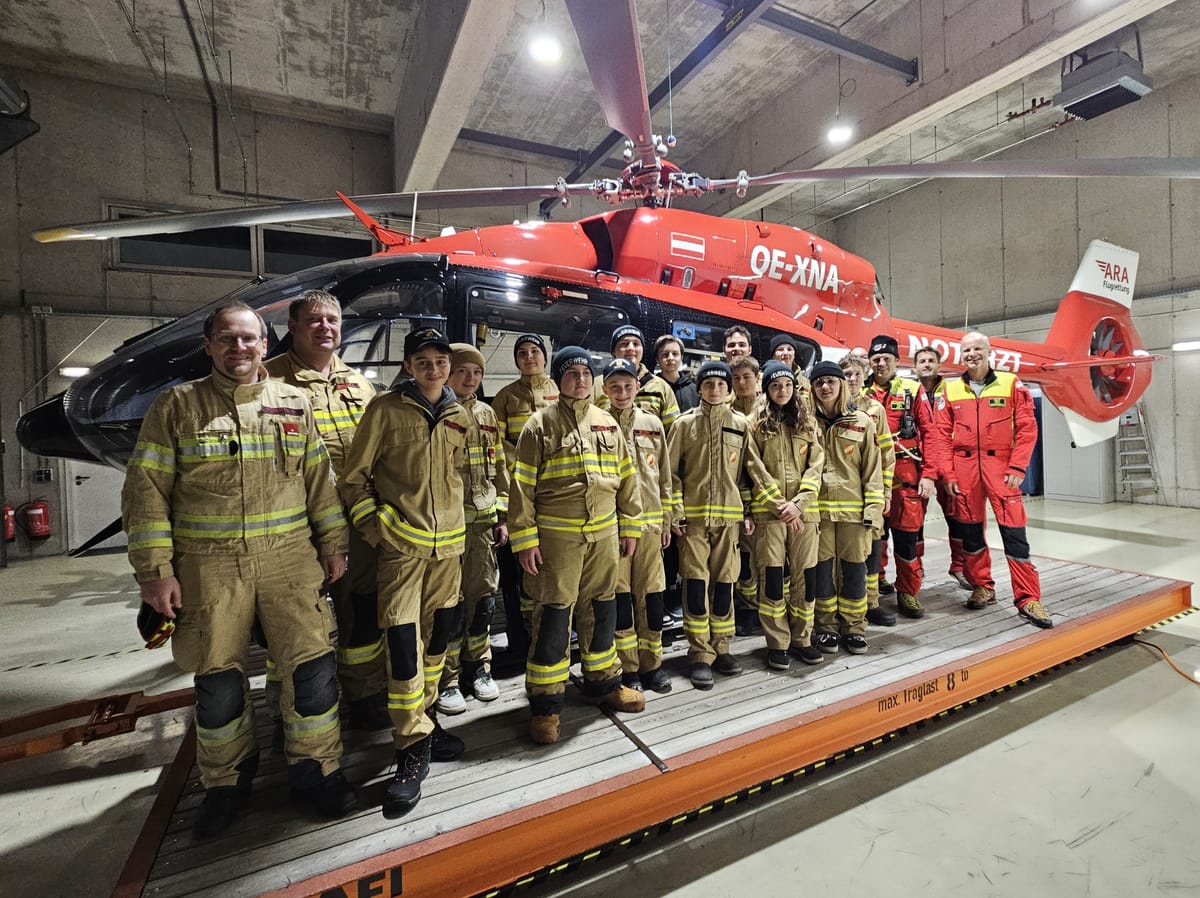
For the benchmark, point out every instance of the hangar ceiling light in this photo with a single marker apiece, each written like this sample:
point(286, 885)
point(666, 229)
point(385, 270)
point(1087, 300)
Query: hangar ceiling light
point(1101, 78)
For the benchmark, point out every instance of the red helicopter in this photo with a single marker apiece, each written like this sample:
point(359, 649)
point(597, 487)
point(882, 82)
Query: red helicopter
point(664, 269)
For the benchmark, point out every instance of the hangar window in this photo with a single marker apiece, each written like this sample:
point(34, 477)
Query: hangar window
point(224, 250)
point(286, 251)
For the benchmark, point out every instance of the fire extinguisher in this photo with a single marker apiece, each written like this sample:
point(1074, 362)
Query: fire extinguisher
point(36, 518)
point(10, 523)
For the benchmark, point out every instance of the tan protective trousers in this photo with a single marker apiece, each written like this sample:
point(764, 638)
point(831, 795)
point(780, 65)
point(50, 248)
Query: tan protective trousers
point(221, 595)
point(708, 563)
point(639, 645)
point(844, 610)
point(472, 640)
point(787, 620)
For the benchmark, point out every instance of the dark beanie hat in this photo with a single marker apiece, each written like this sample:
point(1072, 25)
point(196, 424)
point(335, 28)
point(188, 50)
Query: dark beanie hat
point(625, 330)
point(715, 368)
point(884, 343)
point(782, 340)
point(529, 338)
point(776, 369)
point(565, 358)
point(827, 369)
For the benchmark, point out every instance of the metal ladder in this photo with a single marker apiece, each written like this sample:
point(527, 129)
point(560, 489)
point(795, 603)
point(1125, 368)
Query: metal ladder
point(1135, 455)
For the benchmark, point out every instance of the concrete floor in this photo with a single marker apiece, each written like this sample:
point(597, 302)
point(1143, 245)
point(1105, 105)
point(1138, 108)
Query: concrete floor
point(1080, 783)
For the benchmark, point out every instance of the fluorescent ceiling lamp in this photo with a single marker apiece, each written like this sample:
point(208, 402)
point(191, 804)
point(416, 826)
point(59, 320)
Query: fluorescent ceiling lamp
point(839, 133)
point(545, 48)
point(1186, 346)
point(73, 371)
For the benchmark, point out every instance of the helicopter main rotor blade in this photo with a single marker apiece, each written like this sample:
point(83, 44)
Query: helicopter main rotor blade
point(312, 210)
point(1129, 167)
point(608, 37)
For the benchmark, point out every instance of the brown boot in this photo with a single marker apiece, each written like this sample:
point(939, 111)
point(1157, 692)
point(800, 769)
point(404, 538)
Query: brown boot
point(1034, 612)
point(981, 597)
point(543, 729)
point(622, 699)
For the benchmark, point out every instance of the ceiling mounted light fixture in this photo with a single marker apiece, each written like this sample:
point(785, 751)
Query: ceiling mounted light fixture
point(544, 46)
point(840, 132)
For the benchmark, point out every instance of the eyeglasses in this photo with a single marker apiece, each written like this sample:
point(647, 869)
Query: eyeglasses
point(236, 340)
point(822, 382)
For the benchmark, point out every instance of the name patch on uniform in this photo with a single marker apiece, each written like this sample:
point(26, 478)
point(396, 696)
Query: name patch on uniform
point(487, 428)
point(646, 433)
point(342, 385)
point(603, 428)
point(997, 402)
point(853, 428)
point(454, 425)
point(897, 405)
point(282, 410)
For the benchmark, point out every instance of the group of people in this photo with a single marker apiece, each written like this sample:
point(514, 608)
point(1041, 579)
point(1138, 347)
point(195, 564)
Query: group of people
point(600, 502)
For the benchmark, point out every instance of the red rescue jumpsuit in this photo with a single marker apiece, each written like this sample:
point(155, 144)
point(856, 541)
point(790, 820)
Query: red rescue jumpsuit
point(991, 435)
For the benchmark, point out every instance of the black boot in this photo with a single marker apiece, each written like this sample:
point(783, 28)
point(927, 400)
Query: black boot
point(328, 795)
point(223, 804)
point(404, 791)
point(445, 746)
point(370, 713)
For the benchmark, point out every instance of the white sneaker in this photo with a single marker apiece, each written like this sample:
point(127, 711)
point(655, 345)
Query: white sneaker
point(451, 701)
point(485, 687)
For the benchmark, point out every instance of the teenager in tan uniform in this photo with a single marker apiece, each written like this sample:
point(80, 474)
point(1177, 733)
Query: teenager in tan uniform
point(468, 669)
point(744, 399)
point(654, 394)
point(514, 403)
point(405, 494)
point(339, 396)
point(641, 581)
point(711, 456)
point(574, 510)
point(851, 507)
point(786, 438)
point(784, 348)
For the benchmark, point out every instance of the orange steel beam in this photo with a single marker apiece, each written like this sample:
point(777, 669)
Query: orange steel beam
point(112, 715)
point(516, 844)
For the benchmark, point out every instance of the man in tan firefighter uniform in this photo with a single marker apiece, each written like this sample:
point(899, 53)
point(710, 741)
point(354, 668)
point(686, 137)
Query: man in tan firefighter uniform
point(856, 369)
point(573, 511)
point(744, 399)
point(851, 507)
point(231, 512)
point(404, 491)
point(928, 363)
point(920, 452)
point(642, 581)
point(468, 669)
point(654, 396)
point(711, 456)
point(339, 395)
point(514, 403)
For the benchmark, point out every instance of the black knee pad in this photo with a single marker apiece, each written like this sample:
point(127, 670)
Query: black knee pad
point(365, 630)
point(315, 684)
point(553, 636)
point(875, 559)
point(744, 572)
point(774, 583)
point(854, 579)
point(447, 622)
point(624, 611)
point(823, 580)
point(1015, 543)
point(220, 698)
point(402, 651)
point(654, 611)
point(722, 599)
point(972, 537)
point(604, 617)
point(484, 609)
point(697, 598)
point(904, 544)
point(954, 528)
point(810, 584)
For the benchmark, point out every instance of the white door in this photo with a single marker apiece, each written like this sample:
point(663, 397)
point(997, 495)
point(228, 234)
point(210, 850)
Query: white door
point(93, 502)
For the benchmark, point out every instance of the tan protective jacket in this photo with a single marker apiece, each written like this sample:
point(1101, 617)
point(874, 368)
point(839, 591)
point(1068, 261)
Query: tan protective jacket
point(646, 435)
point(795, 459)
point(883, 438)
point(573, 476)
point(852, 477)
point(222, 468)
point(711, 456)
point(485, 479)
point(515, 402)
point(412, 453)
point(338, 401)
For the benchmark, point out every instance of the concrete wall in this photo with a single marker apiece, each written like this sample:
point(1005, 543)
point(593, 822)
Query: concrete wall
point(998, 255)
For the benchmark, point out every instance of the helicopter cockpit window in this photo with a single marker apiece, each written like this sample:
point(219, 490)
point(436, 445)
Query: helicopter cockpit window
point(375, 323)
point(496, 317)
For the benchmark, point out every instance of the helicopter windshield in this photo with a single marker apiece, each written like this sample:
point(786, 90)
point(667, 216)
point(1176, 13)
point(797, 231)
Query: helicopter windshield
point(382, 301)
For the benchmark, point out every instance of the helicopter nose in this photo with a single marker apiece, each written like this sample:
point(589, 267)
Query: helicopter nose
point(46, 430)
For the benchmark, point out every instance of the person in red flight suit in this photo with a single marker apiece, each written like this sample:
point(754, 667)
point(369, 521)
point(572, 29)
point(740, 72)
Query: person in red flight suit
point(919, 456)
point(986, 416)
